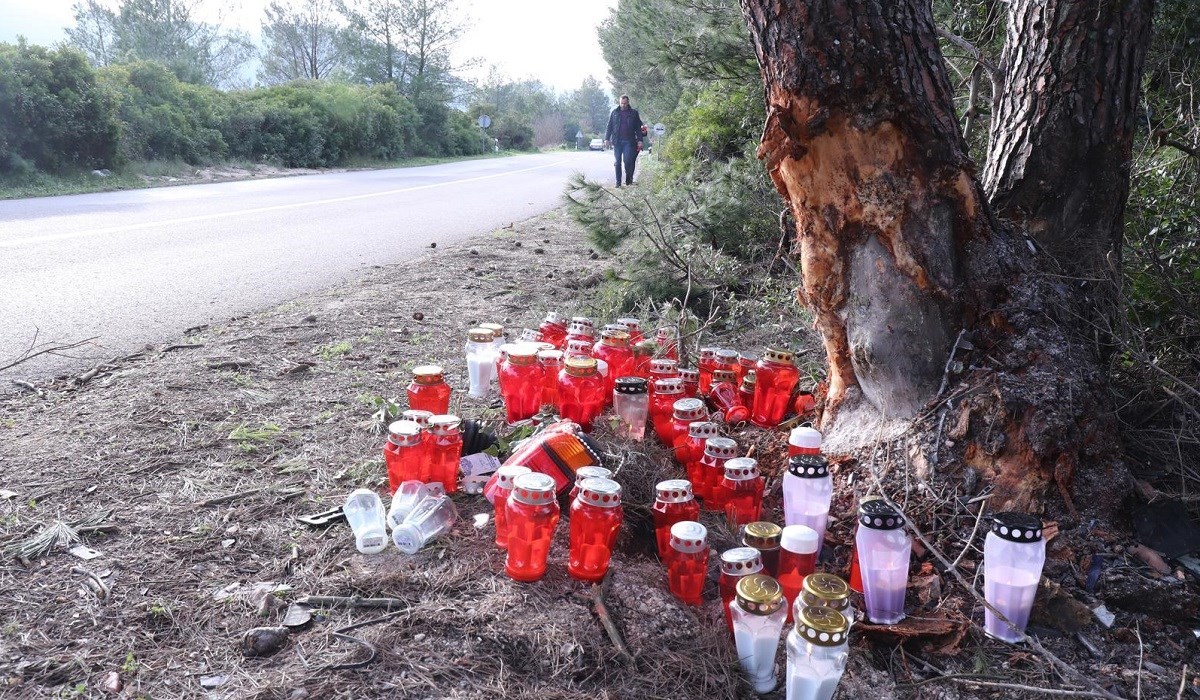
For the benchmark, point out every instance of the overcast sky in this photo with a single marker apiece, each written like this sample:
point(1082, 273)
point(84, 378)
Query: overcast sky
point(551, 40)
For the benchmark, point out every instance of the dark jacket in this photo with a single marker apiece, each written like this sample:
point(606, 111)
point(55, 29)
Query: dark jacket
point(614, 122)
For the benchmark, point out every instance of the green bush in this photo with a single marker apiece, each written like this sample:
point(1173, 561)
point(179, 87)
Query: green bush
point(53, 113)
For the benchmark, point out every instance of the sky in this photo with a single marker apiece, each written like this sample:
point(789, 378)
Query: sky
point(549, 40)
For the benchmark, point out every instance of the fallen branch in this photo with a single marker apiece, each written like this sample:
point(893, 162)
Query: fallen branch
point(596, 599)
point(181, 346)
point(341, 633)
point(337, 601)
point(49, 350)
point(100, 588)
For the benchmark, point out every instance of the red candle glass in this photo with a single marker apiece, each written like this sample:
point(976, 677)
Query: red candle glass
point(684, 412)
point(421, 418)
point(643, 353)
point(693, 450)
point(633, 327)
point(404, 454)
point(554, 329)
point(668, 343)
point(428, 390)
point(727, 360)
point(717, 451)
point(662, 403)
point(504, 485)
point(687, 567)
point(582, 474)
point(741, 491)
point(804, 440)
point(706, 365)
point(521, 381)
point(673, 503)
point(797, 559)
point(595, 520)
point(663, 368)
point(725, 398)
point(691, 383)
point(746, 363)
point(614, 349)
point(580, 391)
point(736, 563)
point(775, 377)
point(532, 516)
point(746, 390)
point(551, 362)
point(764, 537)
point(581, 328)
point(445, 451)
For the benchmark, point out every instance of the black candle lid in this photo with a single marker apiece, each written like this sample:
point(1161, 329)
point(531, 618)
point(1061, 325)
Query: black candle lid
point(808, 466)
point(630, 385)
point(878, 515)
point(1017, 527)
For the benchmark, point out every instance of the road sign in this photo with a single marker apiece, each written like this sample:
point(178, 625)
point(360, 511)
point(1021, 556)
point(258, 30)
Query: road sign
point(660, 129)
point(484, 121)
point(578, 134)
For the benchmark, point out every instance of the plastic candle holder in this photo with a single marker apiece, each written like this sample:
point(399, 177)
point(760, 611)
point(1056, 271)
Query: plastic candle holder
point(736, 563)
point(445, 450)
point(1013, 555)
point(884, 552)
point(764, 537)
point(687, 567)
point(531, 518)
point(775, 377)
point(404, 453)
point(596, 517)
point(717, 451)
point(504, 484)
point(521, 383)
point(673, 503)
point(797, 560)
point(631, 403)
point(817, 650)
point(807, 492)
point(758, 612)
point(428, 390)
point(741, 491)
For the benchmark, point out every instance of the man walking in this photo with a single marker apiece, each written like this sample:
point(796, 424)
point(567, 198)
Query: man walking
point(625, 134)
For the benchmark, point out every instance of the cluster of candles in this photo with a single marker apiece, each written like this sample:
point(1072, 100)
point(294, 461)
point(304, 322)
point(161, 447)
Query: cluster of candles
point(419, 512)
point(764, 584)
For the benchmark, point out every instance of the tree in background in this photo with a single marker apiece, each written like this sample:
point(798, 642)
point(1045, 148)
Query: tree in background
point(429, 29)
point(300, 41)
point(590, 104)
point(375, 39)
point(165, 31)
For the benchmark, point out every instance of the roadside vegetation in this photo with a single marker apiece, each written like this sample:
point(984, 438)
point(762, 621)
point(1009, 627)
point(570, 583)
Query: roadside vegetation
point(142, 88)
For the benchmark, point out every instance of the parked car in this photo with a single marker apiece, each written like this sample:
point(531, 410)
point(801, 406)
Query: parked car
point(596, 145)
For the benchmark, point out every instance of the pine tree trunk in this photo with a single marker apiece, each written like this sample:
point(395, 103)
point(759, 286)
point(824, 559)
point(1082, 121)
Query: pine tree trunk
point(900, 254)
point(1062, 133)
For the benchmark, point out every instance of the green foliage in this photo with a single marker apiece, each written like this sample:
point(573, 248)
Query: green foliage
point(54, 116)
point(513, 132)
point(163, 118)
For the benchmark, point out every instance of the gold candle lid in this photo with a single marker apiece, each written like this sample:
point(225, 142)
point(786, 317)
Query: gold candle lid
point(615, 338)
point(781, 356)
point(580, 366)
point(824, 627)
point(762, 535)
point(428, 374)
point(828, 588)
point(759, 594)
point(495, 329)
point(480, 335)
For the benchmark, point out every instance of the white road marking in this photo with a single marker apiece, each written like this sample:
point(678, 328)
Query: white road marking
point(257, 210)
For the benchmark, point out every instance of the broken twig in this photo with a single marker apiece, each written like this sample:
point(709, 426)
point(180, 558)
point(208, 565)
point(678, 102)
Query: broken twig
point(596, 599)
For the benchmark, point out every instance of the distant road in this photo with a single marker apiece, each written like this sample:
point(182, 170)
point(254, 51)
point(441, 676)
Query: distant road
point(141, 266)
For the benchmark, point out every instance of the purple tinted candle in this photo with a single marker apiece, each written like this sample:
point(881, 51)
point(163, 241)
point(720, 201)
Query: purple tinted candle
point(883, 551)
point(1013, 555)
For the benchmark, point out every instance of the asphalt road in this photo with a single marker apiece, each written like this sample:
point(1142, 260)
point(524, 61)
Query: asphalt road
point(141, 266)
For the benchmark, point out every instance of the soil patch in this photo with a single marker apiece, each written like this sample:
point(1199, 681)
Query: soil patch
point(187, 464)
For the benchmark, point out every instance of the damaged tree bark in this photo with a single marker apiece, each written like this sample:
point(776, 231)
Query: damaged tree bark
point(899, 251)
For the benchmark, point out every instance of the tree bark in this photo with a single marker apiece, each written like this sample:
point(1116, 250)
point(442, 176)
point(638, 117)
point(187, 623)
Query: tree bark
point(899, 253)
point(1062, 133)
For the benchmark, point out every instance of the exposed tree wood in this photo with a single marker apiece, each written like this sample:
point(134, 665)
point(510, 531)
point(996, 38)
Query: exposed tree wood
point(899, 251)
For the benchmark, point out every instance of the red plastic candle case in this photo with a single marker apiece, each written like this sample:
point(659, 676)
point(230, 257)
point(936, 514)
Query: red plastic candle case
point(746, 389)
point(725, 398)
point(428, 390)
point(736, 563)
point(445, 451)
point(663, 368)
point(691, 383)
point(764, 537)
point(775, 376)
point(662, 405)
point(706, 365)
point(673, 503)
point(582, 474)
point(532, 516)
point(741, 492)
point(614, 349)
point(580, 391)
point(633, 326)
point(727, 361)
point(596, 517)
point(504, 483)
point(643, 353)
point(684, 412)
point(404, 453)
point(668, 346)
point(746, 363)
point(554, 330)
point(793, 568)
point(579, 331)
point(698, 433)
point(521, 380)
point(687, 567)
point(551, 362)
point(712, 469)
